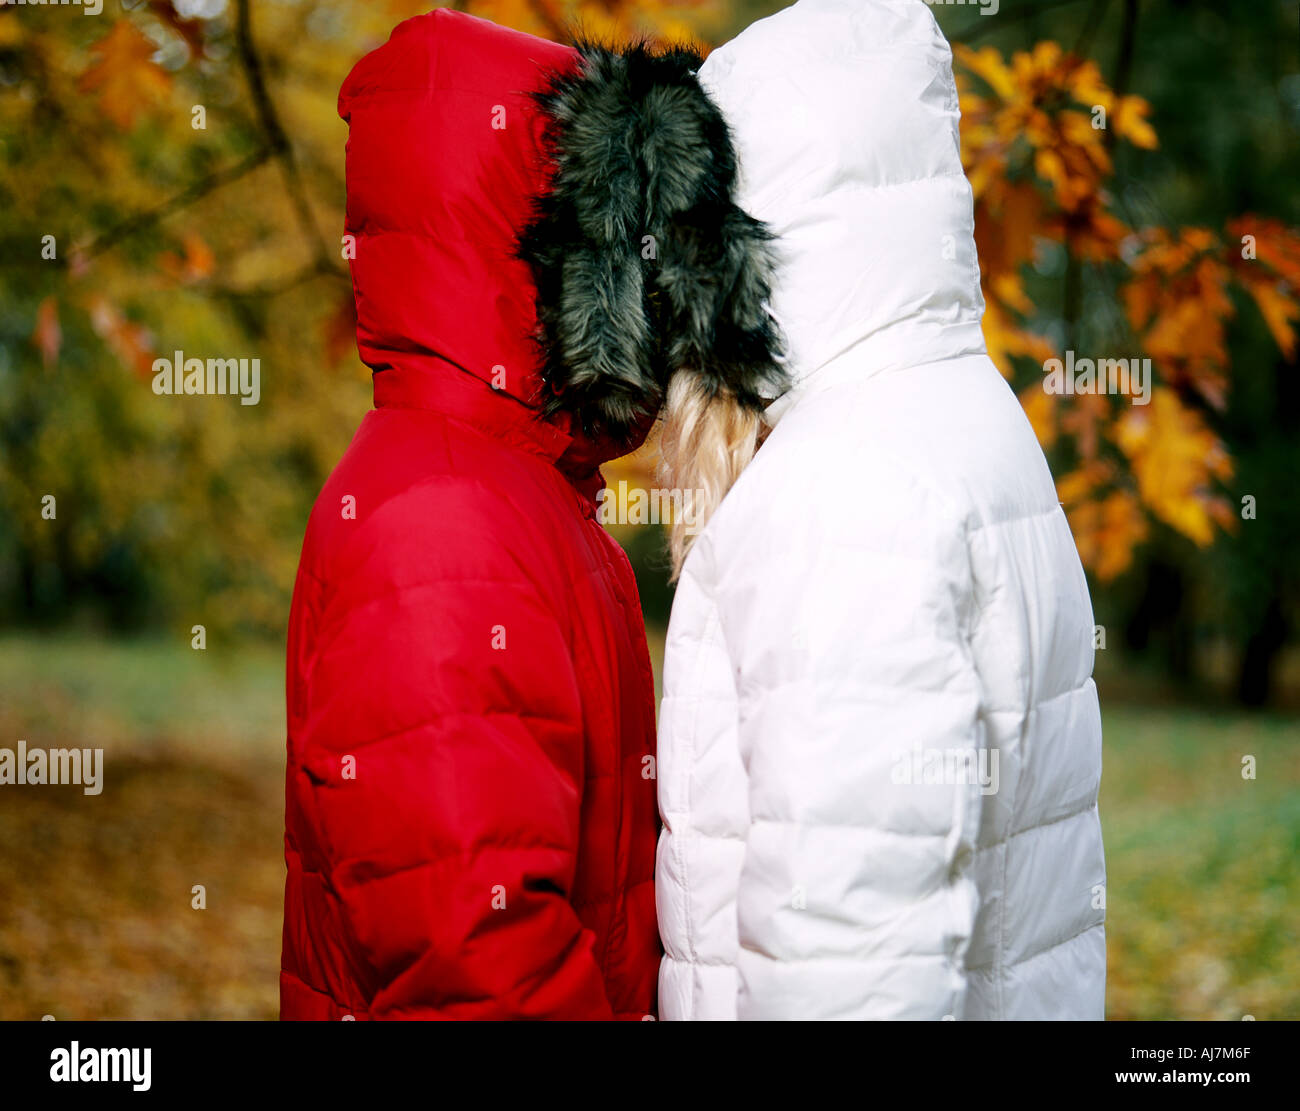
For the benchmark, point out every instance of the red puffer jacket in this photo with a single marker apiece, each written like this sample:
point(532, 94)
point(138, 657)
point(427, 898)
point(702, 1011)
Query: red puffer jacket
point(470, 803)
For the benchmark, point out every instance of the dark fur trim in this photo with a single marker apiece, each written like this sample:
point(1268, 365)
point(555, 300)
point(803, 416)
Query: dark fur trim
point(640, 151)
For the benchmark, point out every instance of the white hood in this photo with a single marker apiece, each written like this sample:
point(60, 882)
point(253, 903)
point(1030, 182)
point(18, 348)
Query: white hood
point(844, 114)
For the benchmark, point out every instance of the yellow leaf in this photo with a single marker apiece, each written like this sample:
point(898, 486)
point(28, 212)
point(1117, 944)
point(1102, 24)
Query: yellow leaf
point(1003, 338)
point(1174, 458)
point(11, 31)
point(1129, 122)
point(1089, 88)
point(1040, 408)
point(988, 64)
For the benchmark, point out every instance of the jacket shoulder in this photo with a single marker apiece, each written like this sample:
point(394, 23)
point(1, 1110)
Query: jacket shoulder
point(402, 508)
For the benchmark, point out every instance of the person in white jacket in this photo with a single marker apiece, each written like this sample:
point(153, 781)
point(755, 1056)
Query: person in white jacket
point(880, 742)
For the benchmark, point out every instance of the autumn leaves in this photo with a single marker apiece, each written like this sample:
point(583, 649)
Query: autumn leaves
point(1039, 133)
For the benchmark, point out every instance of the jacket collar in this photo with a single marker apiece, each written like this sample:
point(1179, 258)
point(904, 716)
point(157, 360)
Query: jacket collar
point(429, 382)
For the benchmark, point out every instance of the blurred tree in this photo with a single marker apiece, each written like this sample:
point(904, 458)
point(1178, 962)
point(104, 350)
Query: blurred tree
point(1095, 241)
point(1037, 152)
point(173, 184)
point(172, 181)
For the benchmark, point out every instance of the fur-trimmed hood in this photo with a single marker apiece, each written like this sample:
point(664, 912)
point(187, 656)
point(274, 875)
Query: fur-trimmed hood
point(644, 265)
point(542, 235)
point(845, 116)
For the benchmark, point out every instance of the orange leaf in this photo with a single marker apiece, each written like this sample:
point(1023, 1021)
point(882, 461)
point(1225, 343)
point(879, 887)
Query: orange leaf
point(196, 264)
point(1107, 532)
point(48, 336)
point(129, 341)
point(124, 75)
point(1278, 311)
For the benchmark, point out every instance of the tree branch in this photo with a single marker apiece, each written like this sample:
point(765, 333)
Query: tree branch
point(146, 219)
point(1127, 47)
point(982, 24)
point(266, 290)
point(276, 136)
point(1083, 43)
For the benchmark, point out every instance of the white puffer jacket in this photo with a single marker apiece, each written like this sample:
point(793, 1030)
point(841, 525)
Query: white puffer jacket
point(880, 744)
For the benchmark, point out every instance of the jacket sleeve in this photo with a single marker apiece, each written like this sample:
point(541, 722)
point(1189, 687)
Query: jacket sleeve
point(444, 745)
point(859, 728)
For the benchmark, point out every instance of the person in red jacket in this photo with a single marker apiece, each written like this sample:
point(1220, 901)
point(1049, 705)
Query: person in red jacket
point(539, 236)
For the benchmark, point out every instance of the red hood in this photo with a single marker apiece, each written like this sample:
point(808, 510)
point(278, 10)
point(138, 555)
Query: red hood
point(444, 162)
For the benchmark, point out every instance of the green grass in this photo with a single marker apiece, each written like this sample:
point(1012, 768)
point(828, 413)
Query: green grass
point(142, 696)
point(1203, 889)
point(1203, 892)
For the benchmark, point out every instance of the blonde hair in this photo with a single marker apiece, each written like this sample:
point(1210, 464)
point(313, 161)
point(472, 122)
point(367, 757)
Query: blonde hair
point(708, 438)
